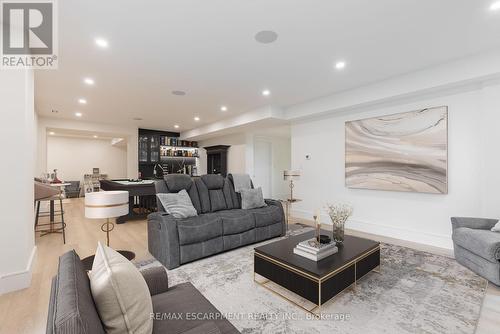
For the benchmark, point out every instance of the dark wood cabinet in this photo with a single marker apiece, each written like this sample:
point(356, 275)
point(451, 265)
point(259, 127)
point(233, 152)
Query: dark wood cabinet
point(149, 148)
point(217, 159)
point(163, 152)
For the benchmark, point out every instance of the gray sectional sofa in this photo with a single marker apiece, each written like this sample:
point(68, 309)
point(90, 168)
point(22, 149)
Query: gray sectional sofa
point(221, 224)
point(476, 247)
point(72, 309)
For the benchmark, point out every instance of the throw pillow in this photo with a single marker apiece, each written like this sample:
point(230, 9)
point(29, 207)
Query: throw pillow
point(252, 199)
point(496, 228)
point(178, 204)
point(120, 293)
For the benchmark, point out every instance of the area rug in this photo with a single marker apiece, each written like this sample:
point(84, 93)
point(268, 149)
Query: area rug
point(416, 292)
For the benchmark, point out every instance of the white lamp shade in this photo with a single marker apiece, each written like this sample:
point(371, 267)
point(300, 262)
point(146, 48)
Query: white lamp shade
point(106, 204)
point(291, 174)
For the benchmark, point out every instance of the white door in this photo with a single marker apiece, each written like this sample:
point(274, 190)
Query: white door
point(263, 167)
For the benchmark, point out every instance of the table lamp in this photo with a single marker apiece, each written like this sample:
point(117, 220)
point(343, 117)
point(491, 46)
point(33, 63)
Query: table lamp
point(291, 175)
point(106, 204)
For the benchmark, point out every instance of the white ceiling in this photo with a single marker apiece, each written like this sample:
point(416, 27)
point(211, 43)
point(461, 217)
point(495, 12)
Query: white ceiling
point(73, 133)
point(207, 49)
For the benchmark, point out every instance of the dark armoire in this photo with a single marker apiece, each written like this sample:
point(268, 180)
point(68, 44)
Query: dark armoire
point(217, 159)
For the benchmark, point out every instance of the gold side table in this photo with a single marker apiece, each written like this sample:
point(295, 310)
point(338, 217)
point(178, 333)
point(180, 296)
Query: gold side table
point(288, 204)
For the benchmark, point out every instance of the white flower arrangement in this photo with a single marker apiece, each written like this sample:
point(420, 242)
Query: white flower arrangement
point(339, 213)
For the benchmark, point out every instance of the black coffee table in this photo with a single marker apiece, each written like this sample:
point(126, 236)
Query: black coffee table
point(319, 281)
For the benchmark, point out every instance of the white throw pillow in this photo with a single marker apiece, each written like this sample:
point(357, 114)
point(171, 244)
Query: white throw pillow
point(496, 228)
point(178, 204)
point(120, 293)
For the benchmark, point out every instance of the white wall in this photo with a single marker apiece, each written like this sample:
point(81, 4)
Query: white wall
point(490, 153)
point(17, 246)
point(280, 160)
point(236, 161)
point(282, 156)
point(130, 133)
point(74, 157)
point(473, 171)
point(241, 157)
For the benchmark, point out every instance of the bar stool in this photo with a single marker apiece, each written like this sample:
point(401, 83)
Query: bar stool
point(45, 193)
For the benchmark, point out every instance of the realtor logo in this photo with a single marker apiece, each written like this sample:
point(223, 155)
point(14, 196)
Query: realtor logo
point(29, 38)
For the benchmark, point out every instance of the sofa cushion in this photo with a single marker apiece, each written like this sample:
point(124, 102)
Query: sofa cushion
point(73, 309)
point(267, 215)
point(212, 186)
point(236, 221)
point(177, 182)
point(213, 181)
point(185, 300)
point(230, 195)
point(229, 189)
point(200, 249)
point(120, 293)
point(269, 231)
point(203, 195)
point(252, 198)
point(178, 204)
point(240, 239)
point(480, 242)
point(198, 229)
point(217, 200)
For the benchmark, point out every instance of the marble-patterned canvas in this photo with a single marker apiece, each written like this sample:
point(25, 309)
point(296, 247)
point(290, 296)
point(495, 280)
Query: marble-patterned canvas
point(401, 152)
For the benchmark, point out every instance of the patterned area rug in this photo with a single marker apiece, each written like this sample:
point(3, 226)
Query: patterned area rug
point(416, 292)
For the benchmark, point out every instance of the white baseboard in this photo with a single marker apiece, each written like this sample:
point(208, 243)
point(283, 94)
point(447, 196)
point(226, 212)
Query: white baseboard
point(18, 280)
point(419, 237)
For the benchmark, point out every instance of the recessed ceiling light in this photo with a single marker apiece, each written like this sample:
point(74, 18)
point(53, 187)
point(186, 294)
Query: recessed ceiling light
point(266, 36)
point(340, 65)
point(196, 118)
point(179, 92)
point(82, 101)
point(101, 42)
point(52, 133)
point(95, 136)
point(78, 114)
point(266, 92)
point(89, 81)
point(495, 6)
point(223, 108)
point(176, 126)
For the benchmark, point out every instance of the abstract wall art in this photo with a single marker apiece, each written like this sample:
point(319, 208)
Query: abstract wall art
point(400, 152)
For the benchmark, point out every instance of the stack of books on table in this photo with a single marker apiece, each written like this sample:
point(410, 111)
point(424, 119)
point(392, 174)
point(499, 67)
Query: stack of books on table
point(313, 250)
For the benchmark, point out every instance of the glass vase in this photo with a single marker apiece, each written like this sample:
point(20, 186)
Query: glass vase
point(338, 231)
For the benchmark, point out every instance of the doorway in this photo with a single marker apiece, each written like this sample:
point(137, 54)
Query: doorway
point(263, 164)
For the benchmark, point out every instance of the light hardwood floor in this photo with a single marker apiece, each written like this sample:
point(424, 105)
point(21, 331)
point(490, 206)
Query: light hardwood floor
point(25, 311)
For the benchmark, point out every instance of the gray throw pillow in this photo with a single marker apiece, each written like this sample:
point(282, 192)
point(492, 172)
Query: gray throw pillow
point(252, 199)
point(178, 204)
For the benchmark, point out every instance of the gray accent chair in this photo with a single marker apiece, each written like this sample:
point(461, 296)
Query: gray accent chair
point(72, 309)
point(476, 247)
point(221, 224)
point(73, 190)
